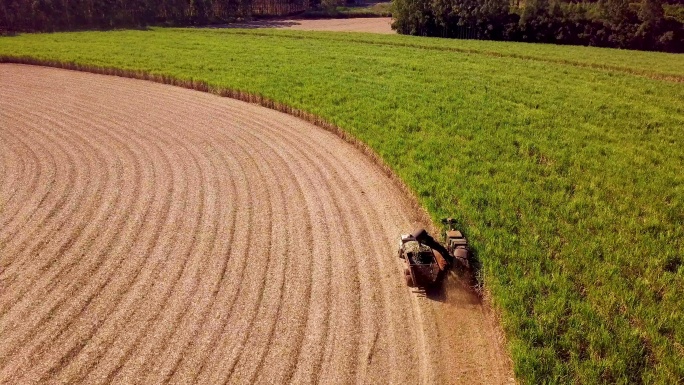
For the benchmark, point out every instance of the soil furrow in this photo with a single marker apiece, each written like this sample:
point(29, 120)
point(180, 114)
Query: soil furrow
point(372, 285)
point(267, 142)
point(180, 345)
point(378, 244)
point(198, 245)
point(69, 313)
point(270, 151)
point(307, 172)
point(18, 159)
point(350, 200)
point(168, 261)
point(57, 235)
point(20, 188)
point(162, 235)
point(194, 355)
point(30, 165)
point(36, 216)
point(52, 242)
point(350, 242)
point(96, 293)
point(294, 252)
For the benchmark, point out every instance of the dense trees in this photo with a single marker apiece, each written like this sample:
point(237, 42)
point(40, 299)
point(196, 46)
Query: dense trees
point(60, 15)
point(605, 23)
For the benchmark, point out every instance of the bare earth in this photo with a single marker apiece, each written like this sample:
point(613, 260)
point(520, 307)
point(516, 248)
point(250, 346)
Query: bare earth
point(150, 234)
point(373, 25)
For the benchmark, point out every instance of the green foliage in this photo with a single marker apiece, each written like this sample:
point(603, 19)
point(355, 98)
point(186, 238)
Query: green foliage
point(606, 23)
point(564, 165)
point(615, 12)
point(61, 15)
point(413, 17)
point(442, 17)
point(473, 12)
point(534, 9)
point(651, 11)
point(331, 4)
point(674, 11)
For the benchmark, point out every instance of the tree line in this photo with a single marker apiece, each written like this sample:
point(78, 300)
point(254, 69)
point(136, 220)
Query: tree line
point(602, 23)
point(66, 15)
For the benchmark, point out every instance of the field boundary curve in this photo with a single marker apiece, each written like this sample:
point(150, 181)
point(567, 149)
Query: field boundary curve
point(249, 97)
point(222, 181)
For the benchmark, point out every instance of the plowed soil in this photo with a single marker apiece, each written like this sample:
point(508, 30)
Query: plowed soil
point(150, 234)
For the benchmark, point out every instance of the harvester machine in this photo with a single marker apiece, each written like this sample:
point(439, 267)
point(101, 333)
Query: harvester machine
point(426, 261)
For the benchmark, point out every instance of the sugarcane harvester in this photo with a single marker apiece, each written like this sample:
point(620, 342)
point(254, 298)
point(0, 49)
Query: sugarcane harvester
point(426, 261)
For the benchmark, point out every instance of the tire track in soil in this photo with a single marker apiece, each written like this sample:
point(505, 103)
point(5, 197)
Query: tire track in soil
point(203, 239)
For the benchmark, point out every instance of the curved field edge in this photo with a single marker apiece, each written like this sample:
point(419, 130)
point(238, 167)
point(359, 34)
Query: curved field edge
point(563, 233)
point(249, 165)
point(245, 96)
point(418, 213)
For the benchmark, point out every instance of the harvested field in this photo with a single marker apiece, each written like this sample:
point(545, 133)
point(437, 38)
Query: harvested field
point(153, 234)
point(382, 25)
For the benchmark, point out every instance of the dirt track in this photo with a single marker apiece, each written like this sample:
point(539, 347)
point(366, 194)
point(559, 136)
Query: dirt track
point(382, 25)
point(372, 24)
point(150, 233)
